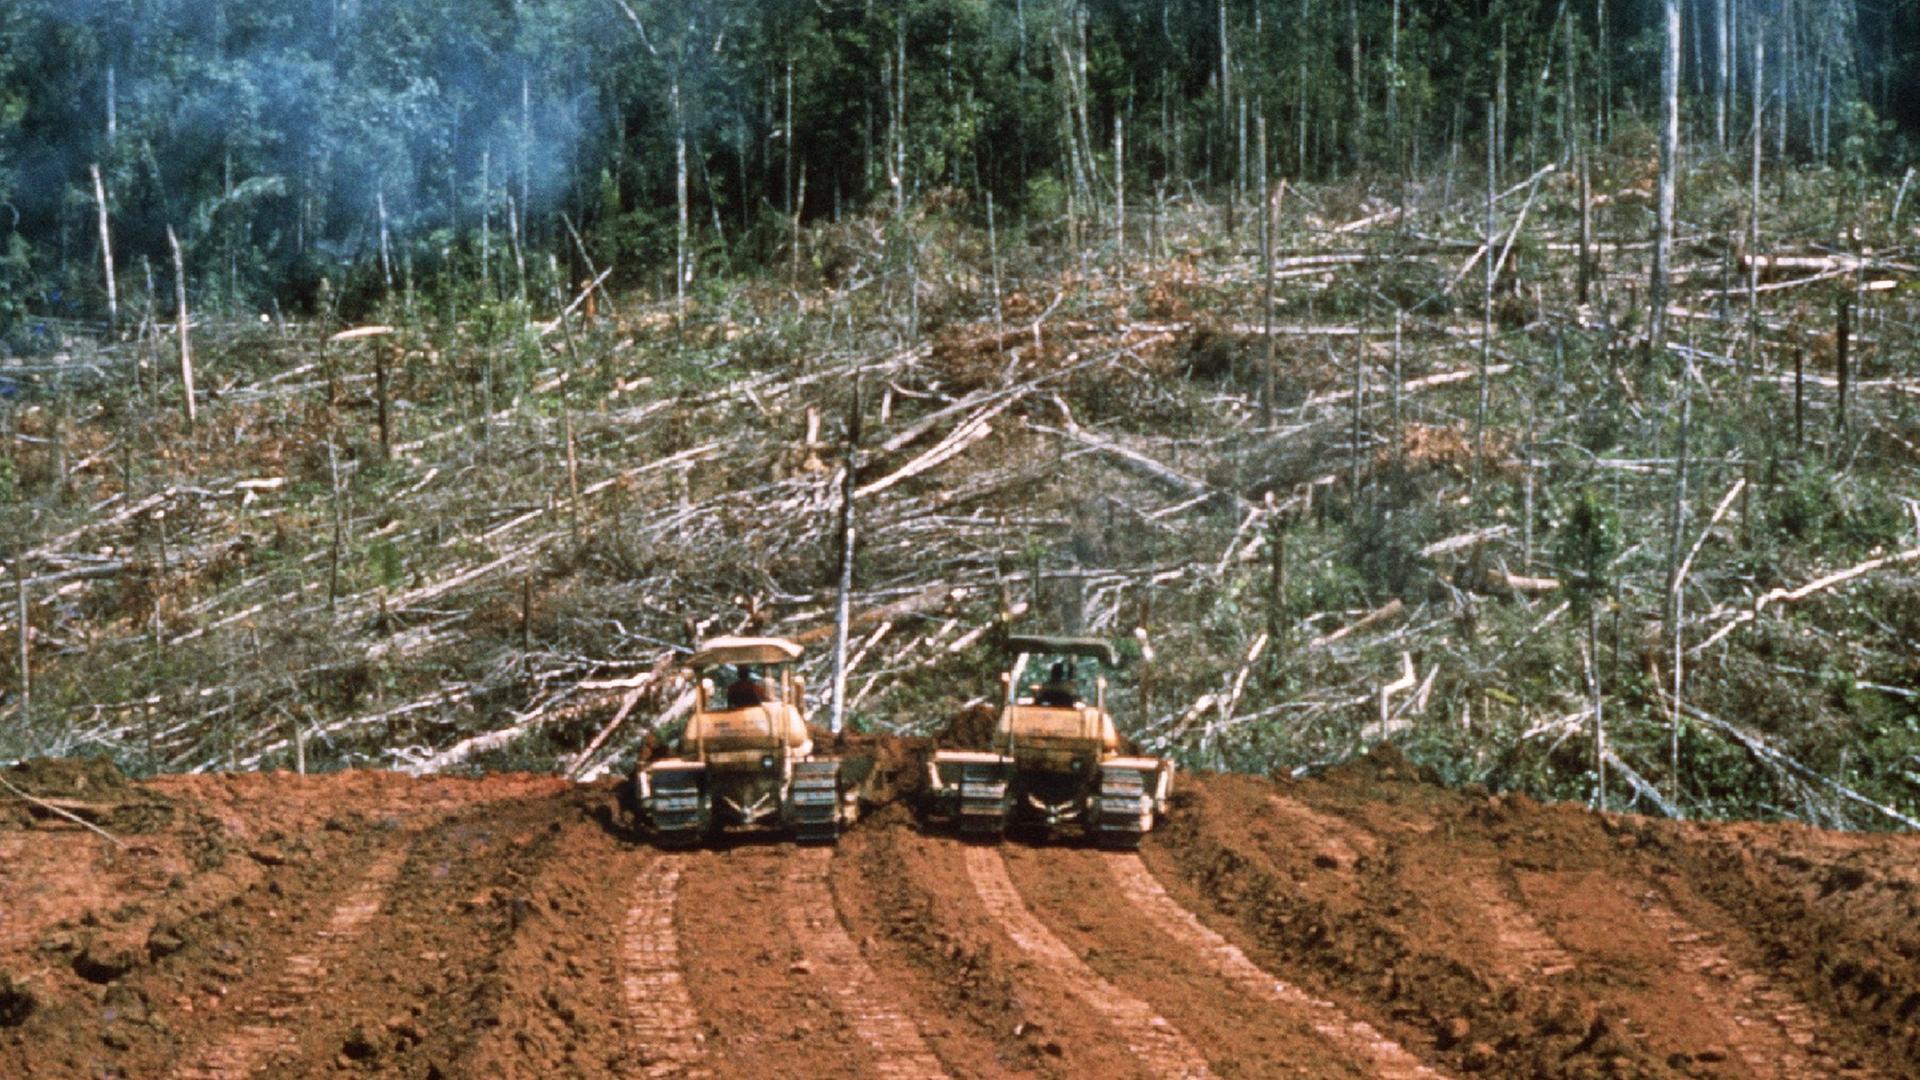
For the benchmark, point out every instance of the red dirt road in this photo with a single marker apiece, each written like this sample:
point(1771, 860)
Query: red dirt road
point(1365, 923)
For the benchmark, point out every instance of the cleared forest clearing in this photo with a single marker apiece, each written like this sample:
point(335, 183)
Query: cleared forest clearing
point(1463, 510)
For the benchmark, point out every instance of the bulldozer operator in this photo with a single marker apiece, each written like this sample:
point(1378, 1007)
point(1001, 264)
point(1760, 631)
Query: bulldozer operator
point(744, 690)
point(1059, 691)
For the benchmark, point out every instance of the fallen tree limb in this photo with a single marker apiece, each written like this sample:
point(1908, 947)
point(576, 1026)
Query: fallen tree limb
point(1377, 615)
point(1787, 596)
point(68, 814)
point(1640, 785)
point(1759, 748)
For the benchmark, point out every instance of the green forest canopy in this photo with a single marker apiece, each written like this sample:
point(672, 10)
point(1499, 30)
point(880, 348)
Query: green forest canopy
point(277, 137)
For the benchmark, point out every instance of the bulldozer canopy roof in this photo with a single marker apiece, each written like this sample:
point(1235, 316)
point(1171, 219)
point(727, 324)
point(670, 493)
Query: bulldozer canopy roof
point(745, 650)
point(1063, 646)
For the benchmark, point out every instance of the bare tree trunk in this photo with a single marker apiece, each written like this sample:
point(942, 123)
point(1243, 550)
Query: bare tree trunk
point(1591, 656)
point(1843, 329)
point(1586, 227)
point(486, 221)
point(900, 115)
point(1266, 281)
point(1119, 199)
point(1753, 202)
point(993, 256)
point(786, 173)
point(339, 530)
point(1799, 398)
point(21, 627)
point(186, 345)
point(1226, 77)
point(519, 248)
point(843, 605)
point(1722, 55)
point(1669, 166)
point(381, 353)
point(1675, 550)
point(1356, 95)
point(1489, 257)
point(106, 252)
point(386, 252)
point(682, 256)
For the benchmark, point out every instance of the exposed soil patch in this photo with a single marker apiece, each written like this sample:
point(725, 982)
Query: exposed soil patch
point(1367, 922)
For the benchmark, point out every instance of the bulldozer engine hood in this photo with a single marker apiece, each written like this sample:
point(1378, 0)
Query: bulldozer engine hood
point(768, 727)
point(1081, 726)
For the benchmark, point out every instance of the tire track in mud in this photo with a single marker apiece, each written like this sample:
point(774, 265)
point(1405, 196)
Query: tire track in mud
point(1769, 1029)
point(664, 1024)
point(268, 1024)
point(1384, 1057)
point(900, 1052)
point(1160, 1048)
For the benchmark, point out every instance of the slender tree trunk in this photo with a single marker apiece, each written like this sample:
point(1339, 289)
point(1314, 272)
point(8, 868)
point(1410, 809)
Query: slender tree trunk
point(1267, 388)
point(1597, 702)
point(1799, 398)
point(1486, 312)
point(21, 627)
point(486, 221)
point(1586, 227)
point(1843, 331)
point(381, 354)
point(1676, 545)
point(843, 606)
point(186, 343)
point(1722, 55)
point(106, 251)
point(1356, 94)
point(786, 173)
point(1753, 203)
point(682, 254)
point(515, 237)
point(1226, 77)
point(900, 115)
point(386, 251)
point(1669, 167)
point(993, 257)
point(1120, 198)
point(1500, 98)
point(339, 532)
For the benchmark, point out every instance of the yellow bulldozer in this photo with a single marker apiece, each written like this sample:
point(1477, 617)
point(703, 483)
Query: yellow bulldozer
point(1055, 761)
point(746, 756)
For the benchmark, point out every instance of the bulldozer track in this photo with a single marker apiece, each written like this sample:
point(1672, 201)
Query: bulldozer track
point(1385, 1058)
point(855, 991)
point(666, 1035)
point(267, 1029)
point(1161, 1049)
point(1520, 935)
point(1770, 1030)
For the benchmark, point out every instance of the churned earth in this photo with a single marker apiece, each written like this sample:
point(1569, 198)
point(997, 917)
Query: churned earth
point(1367, 922)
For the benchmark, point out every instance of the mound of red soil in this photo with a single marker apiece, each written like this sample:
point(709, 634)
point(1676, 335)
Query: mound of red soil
point(1366, 922)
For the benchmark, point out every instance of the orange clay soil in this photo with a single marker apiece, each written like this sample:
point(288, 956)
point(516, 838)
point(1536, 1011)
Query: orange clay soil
point(1364, 923)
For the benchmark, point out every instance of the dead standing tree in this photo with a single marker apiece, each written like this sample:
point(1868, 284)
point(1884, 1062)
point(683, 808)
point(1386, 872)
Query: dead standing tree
point(1669, 167)
point(186, 347)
